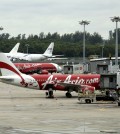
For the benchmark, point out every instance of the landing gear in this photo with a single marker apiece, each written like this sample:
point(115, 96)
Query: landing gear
point(68, 95)
point(88, 101)
point(49, 93)
point(118, 103)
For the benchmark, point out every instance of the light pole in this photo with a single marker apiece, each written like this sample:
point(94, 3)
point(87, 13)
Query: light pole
point(27, 45)
point(84, 22)
point(116, 19)
point(102, 49)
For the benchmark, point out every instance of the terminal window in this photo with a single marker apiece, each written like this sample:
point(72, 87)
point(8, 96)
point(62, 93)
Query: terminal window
point(111, 79)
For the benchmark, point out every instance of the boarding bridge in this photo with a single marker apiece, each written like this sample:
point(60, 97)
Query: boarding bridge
point(102, 68)
point(73, 69)
point(110, 81)
point(107, 68)
point(111, 84)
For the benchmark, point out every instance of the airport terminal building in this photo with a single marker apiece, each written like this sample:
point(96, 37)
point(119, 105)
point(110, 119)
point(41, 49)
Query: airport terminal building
point(94, 64)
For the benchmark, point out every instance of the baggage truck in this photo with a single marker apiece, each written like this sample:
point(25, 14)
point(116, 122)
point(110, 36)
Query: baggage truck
point(87, 95)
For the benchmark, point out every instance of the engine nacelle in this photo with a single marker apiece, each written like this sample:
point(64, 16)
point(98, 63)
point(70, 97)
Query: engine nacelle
point(44, 72)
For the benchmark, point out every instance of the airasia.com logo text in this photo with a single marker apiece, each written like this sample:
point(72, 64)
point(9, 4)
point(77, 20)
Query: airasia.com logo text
point(68, 79)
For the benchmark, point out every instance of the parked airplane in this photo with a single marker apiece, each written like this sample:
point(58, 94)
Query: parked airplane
point(14, 55)
point(11, 75)
point(30, 68)
point(37, 57)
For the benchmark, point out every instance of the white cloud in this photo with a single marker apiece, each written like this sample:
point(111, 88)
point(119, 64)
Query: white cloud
point(35, 16)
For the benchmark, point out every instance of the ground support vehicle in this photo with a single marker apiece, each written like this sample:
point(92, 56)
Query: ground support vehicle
point(86, 96)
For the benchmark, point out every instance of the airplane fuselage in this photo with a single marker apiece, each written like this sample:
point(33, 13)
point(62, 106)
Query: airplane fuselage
point(81, 79)
point(34, 67)
point(43, 82)
point(34, 57)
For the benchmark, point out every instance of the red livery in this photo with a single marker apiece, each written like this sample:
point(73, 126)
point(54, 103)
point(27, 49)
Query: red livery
point(71, 82)
point(30, 68)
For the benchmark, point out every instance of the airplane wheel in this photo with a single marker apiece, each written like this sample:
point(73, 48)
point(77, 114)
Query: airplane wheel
point(68, 95)
point(51, 94)
point(88, 101)
point(118, 103)
point(46, 94)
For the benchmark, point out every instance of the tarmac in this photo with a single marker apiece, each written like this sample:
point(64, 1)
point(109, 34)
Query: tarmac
point(27, 111)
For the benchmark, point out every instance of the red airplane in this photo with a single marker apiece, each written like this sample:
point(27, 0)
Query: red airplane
point(71, 82)
point(30, 68)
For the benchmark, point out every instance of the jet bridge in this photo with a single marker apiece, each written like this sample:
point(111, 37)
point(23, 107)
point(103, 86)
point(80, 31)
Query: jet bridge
point(110, 83)
point(75, 68)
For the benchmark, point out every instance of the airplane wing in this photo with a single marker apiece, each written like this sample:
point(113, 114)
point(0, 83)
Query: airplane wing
point(69, 85)
point(17, 56)
point(76, 87)
point(72, 87)
point(25, 55)
point(21, 57)
point(7, 79)
point(57, 58)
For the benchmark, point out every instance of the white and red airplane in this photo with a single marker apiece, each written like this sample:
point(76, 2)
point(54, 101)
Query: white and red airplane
point(30, 68)
point(63, 82)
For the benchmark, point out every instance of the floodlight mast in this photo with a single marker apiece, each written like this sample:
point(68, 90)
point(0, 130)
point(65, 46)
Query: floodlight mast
point(116, 19)
point(84, 22)
point(27, 45)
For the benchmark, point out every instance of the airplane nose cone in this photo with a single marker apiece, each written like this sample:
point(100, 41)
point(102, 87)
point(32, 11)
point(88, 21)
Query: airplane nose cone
point(58, 68)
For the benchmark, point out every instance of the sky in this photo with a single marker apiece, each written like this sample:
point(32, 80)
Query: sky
point(61, 16)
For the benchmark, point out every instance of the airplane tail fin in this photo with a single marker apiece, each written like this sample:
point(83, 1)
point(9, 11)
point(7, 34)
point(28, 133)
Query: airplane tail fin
point(7, 67)
point(49, 50)
point(15, 49)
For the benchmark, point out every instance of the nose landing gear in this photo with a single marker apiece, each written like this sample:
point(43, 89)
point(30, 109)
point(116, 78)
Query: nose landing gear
point(49, 93)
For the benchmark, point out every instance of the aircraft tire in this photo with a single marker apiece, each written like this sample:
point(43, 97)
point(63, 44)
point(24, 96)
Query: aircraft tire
point(51, 94)
point(118, 103)
point(68, 95)
point(88, 101)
